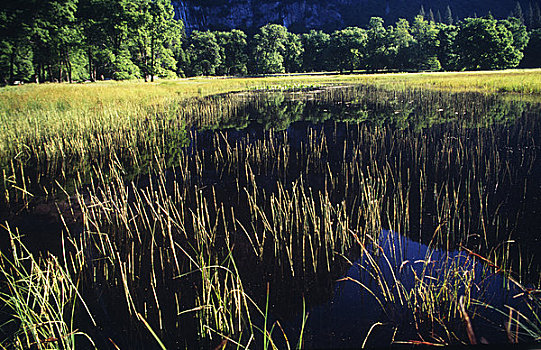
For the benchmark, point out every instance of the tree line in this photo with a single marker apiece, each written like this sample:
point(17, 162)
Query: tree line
point(75, 40)
point(66, 40)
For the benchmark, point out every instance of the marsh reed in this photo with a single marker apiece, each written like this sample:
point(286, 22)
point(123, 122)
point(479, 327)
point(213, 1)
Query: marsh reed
point(180, 220)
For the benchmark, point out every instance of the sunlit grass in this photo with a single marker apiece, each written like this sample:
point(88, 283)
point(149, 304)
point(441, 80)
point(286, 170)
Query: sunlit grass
point(32, 112)
point(516, 81)
point(63, 97)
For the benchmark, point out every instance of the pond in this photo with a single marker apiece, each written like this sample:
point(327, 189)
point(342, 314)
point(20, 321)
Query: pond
point(336, 217)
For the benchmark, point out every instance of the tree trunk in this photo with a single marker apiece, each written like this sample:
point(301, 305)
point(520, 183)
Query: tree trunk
point(146, 68)
point(11, 65)
point(51, 75)
point(152, 59)
point(40, 73)
point(90, 68)
point(68, 66)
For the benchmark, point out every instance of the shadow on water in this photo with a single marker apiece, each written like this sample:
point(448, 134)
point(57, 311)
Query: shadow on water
point(377, 208)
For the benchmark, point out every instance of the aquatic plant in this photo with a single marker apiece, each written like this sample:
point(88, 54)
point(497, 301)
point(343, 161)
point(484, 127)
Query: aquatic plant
point(39, 299)
point(181, 214)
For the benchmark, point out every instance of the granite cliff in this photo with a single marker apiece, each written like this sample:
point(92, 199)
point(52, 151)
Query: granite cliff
point(302, 15)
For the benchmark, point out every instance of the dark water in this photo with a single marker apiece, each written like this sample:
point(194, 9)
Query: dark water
point(351, 309)
point(440, 153)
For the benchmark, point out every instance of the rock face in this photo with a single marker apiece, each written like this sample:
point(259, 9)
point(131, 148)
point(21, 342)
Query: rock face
point(303, 15)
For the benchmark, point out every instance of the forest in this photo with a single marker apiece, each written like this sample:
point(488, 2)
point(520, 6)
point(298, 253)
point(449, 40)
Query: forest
point(89, 40)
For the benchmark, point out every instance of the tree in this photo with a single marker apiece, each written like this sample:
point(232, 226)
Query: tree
point(107, 29)
point(376, 45)
point(431, 17)
point(233, 46)
point(348, 48)
point(399, 41)
point(292, 53)
point(536, 16)
point(438, 17)
point(157, 37)
point(65, 40)
point(448, 16)
point(91, 15)
point(203, 53)
point(268, 49)
point(424, 47)
point(529, 16)
point(532, 52)
point(56, 39)
point(518, 31)
point(446, 51)
point(15, 49)
point(422, 12)
point(483, 43)
point(316, 45)
point(517, 12)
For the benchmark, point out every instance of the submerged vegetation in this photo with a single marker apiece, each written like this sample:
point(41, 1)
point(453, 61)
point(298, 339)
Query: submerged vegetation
point(237, 214)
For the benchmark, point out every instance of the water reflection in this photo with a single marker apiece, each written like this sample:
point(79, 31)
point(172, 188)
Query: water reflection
point(412, 108)
point(353, 309)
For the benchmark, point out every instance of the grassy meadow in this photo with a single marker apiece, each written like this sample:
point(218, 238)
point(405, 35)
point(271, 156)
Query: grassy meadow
point(121, 95)
point(181, 226)
point(39, 112)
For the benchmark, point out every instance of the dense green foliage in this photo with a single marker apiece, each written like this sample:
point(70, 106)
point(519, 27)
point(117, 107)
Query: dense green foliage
point(77, 40)
point(65, 40)
point(486, 44)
